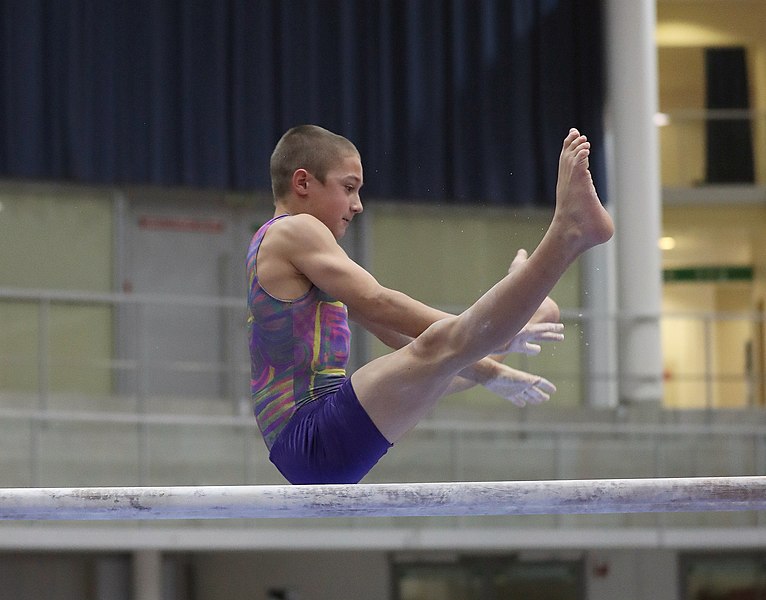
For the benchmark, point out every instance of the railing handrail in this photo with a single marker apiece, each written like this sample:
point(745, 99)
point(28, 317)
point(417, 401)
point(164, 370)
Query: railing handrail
point(33, 294)
point(134, 371)
point(84, 296)
point(714, 114)
point(430, 425)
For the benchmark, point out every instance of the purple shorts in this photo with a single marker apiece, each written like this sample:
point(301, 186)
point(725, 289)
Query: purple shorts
point(329, 440)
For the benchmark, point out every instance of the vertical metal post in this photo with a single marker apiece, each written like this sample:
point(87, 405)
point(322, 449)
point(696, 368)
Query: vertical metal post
point(120, 283)
point(359, 245)
point(759, 449)
point(43, 355)
point(142, 435)
point(43, 390)
point(453, 437)
point(709, 361)
point(225, 359)
point(654, 440)
point(249, 471)
point(558, 468)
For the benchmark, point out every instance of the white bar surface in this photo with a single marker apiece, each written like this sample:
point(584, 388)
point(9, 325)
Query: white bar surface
point(595, 496)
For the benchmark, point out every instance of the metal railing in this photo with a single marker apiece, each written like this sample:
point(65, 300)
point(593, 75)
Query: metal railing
point(126, 433)
point(81, 346)
point(684, 140)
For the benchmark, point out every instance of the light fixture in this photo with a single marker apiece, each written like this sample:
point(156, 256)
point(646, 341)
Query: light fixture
point(667, 243)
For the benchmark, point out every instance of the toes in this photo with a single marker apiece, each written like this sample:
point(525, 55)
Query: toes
point(571, 137)
point(581, 143)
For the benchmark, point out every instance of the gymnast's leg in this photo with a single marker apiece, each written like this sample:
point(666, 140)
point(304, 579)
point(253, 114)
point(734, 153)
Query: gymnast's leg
point(398, 389)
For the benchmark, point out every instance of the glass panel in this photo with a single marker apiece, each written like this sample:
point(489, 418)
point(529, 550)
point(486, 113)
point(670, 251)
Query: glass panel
point(194, 455)
point(80, 350)
point(684, 344)
point(18, 349)
point(86, 454)
point(489, 578)
point(722, 577)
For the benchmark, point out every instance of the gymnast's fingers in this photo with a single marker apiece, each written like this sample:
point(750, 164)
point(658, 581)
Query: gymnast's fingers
point(545, 386)
point(535, 395)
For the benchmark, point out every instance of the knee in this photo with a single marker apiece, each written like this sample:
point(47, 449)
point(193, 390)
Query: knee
point(440, 343)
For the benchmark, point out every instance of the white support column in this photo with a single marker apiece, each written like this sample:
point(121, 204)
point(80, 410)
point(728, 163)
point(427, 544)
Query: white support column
point(147, 575)
point(600, 327)
point(635, 193)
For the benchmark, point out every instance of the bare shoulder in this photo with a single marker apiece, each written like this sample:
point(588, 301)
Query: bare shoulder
point(299, 231)
point(287, 240)
point(304, 252)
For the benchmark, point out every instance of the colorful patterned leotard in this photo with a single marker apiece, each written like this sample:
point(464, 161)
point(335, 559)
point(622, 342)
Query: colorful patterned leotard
point(298, 348)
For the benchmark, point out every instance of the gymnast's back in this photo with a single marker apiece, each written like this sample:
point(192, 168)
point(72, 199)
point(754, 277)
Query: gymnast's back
point(299, 348)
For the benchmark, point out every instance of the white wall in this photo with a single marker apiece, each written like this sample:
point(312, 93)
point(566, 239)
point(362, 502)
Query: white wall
point(45, 577)
point(309, 576)
point(632, 575)
point(623, 574)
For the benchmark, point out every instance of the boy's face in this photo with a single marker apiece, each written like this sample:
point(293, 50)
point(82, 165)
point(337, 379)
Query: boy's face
point(336, 201)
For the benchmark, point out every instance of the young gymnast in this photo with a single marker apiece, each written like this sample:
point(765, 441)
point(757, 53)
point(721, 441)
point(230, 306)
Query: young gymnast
point(324, 427)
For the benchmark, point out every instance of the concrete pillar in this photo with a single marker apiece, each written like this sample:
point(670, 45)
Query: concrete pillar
point(112, 578)
point(147, 575)
point(599, 301)
point(635, 193)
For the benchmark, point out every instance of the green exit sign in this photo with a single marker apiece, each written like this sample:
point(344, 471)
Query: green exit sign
point(708, 274)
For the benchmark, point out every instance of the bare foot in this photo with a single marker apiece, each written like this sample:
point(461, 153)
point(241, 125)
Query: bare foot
point(578, 209)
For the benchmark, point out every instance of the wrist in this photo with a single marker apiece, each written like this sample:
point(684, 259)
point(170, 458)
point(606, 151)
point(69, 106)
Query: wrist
point(482, 371)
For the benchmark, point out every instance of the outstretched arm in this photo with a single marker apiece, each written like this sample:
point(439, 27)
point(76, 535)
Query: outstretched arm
point(314, 253)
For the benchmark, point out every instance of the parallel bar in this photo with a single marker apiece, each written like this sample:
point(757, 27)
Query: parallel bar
point(386, 500)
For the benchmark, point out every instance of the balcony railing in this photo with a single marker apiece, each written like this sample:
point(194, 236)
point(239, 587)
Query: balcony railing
point(71, 416)
point(685, 143)
point(84, 350)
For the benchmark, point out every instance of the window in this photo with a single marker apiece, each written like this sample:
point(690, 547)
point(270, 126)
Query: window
point(489, 578)
point(740, 576)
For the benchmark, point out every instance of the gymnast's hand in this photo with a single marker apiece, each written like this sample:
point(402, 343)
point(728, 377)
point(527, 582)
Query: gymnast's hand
point(524, 342)
point(519, 387)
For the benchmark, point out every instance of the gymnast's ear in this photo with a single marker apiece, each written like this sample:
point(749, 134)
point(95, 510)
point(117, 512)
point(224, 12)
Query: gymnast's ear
point(300, 182)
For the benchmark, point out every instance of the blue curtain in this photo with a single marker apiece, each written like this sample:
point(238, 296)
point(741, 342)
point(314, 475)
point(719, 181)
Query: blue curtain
point(448, 100)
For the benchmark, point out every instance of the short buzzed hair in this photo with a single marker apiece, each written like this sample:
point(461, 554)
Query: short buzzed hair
point(307, 147)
